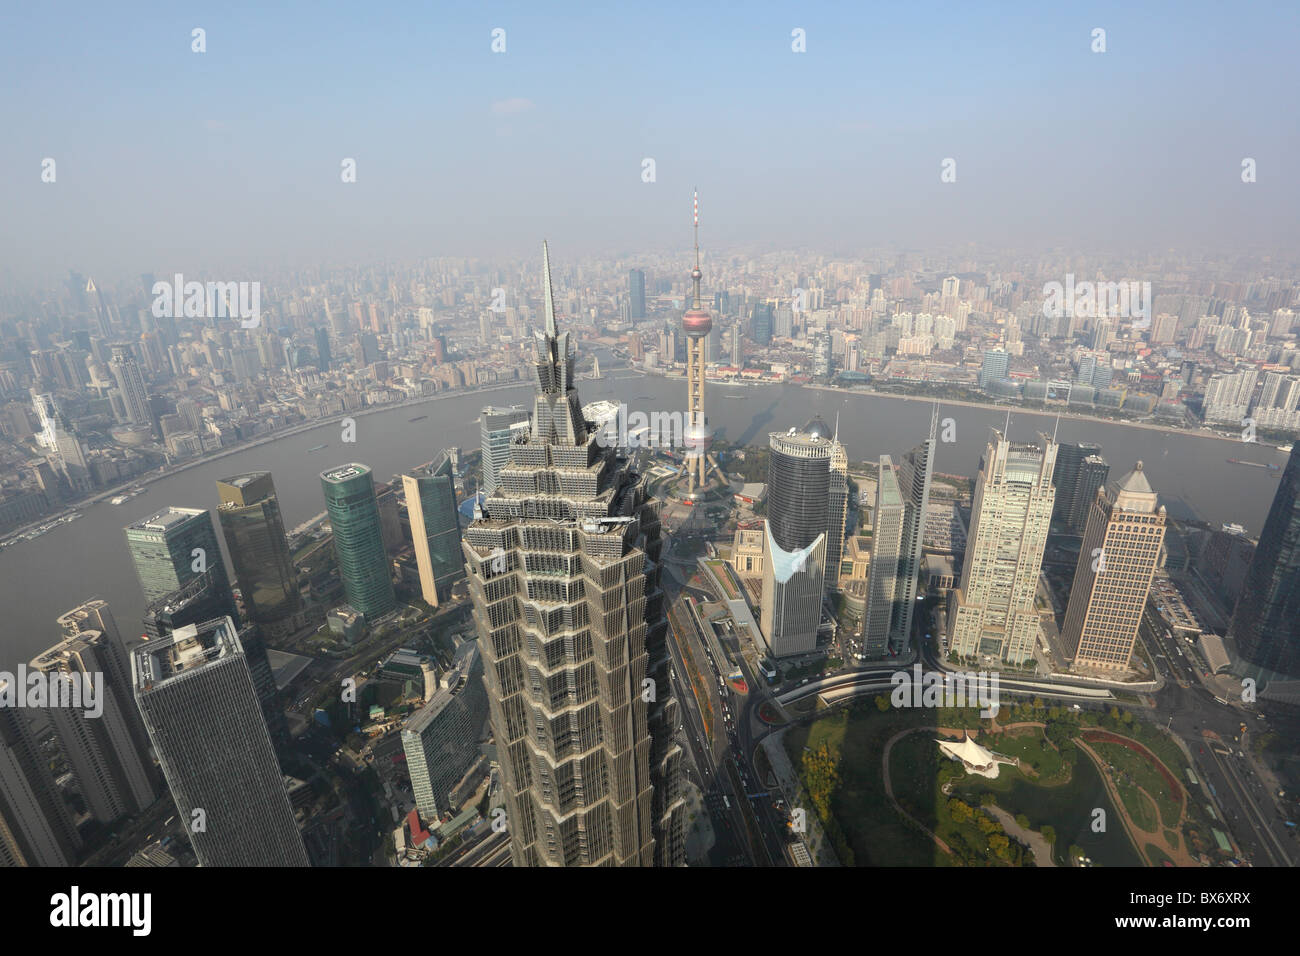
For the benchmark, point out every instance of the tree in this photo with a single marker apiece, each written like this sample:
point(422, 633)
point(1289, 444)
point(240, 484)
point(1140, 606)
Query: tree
point(882, 703)
point(1023, 821)
point(1049, 833)
point(987, 799)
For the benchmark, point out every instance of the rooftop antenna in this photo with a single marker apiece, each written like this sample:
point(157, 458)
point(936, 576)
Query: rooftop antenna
point(696, 274)
point(546, 287)
point(934, 421)
point(836, 439)
point(1007, 434)
point(1055, 427)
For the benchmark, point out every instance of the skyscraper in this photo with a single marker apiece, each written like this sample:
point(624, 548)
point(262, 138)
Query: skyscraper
point(498, 428)
point(886, 553)
point(1080, 471)
point(96, 618)
point(36, 828)
point(914, 475)
point(114, 774)
point(1266, 625)
point(1121, 546)
point(564, 571)
point(798, 520)
point(441, 738)
point(761, 321)
point(130, 383)
point(173, 547)
point(323, 356)
point(837, 510)
point(250, 518)
point(199, 706)
point(992, 613)
point(636, 293)
point(206, 598)
point(358, 539)
point(435, 527)
point(996, 365)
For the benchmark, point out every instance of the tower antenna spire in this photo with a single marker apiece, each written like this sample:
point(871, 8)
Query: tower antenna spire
point(546, 286)
point(696, 274)
point(934, 421)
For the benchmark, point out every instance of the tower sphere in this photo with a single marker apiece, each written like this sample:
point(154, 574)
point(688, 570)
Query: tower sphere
point(697, 323)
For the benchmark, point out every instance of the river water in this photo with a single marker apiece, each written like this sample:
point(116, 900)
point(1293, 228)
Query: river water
point(41, 579)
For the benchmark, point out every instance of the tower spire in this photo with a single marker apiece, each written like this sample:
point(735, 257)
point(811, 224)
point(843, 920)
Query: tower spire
point(696, 274)
point(546, 286)
point(934, 421)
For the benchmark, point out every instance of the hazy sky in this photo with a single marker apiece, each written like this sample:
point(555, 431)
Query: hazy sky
point(168, 159)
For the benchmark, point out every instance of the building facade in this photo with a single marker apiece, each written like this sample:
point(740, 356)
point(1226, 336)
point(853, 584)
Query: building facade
point(564, 567)
point(249, 514)
point(993, 614)
point(1121, 548)
point(359, 539)
point(435, 528)
point(196, 695)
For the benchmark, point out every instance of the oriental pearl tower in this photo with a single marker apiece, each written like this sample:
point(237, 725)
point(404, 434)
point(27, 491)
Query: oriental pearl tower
point(696, 323)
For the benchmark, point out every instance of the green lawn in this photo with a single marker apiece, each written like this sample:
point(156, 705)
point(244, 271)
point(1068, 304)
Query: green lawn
point(1135, 770)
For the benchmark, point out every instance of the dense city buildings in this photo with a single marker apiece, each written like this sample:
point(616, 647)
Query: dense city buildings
point(249, 514)
point(1122, 541)
point(992, 614)
point(1266, 625)
point(172, 548)
point(435, 528)
point(195, 692)
point(359, 539)
point(564, 571)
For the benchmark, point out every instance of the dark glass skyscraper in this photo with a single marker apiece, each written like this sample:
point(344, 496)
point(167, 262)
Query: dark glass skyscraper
point(761, 320)
point(636, 293)
point(172, 548)
point(1266, 625)
point(358, 539)
point(1080, 471)
point(249, 514)
point(323, 357)
point(914, 476)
